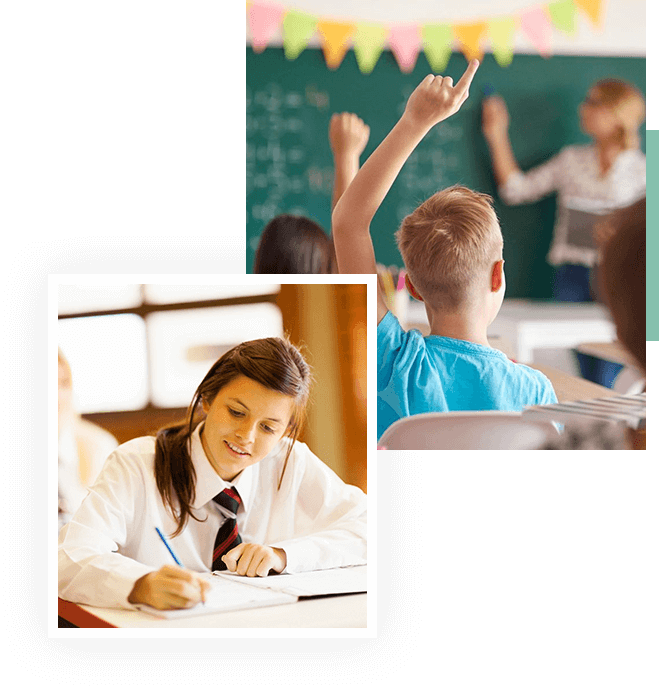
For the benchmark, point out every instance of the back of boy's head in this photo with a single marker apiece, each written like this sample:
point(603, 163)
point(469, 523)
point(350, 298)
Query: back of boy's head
point(449, 243)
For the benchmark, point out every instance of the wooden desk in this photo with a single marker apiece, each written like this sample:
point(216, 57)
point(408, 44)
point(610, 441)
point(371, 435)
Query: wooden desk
point(570, 388)
point(345, 611)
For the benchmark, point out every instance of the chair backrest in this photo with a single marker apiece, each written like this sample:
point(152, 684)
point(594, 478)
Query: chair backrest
point(485, 430)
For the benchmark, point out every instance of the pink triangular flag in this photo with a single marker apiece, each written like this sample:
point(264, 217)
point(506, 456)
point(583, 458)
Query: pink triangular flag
point(405, 42)
point(536, 24)
point(263, 21)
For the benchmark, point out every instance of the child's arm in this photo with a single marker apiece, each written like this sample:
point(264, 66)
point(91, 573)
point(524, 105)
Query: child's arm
point(434, 100)
point(348, 136)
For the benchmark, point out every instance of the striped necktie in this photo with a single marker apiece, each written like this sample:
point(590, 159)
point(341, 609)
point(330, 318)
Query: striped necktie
point(227, 536)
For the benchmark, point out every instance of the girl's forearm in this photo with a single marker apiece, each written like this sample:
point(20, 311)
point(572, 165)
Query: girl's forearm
point(504, 163)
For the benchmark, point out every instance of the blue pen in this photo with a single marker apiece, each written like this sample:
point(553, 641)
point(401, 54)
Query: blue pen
point(171, 552)
point(178, 562)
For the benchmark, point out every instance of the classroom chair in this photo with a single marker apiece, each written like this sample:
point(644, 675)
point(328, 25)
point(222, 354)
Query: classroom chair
point(485, 430)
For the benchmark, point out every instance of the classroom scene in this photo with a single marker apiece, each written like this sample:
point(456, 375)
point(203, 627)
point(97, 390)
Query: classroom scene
point(201, 479)
point(487, 162)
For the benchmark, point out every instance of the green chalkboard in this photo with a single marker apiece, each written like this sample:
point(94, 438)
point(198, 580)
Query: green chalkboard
point(289, 163)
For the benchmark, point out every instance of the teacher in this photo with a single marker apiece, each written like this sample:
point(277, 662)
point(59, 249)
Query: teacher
point(590, 180)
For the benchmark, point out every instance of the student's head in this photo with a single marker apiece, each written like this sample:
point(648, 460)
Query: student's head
point(622, 275)
point(452, 248)
point(251, 398)
point(294, 245)
point(613, 110)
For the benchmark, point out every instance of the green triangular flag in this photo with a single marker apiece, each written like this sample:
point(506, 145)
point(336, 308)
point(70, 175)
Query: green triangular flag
point(563, 15)
point(437, 45)
point(501, 39)
point(297, 29)
point(368, 41)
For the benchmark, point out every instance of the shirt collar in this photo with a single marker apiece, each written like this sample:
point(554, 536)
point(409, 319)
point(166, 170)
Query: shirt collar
point(209, 482)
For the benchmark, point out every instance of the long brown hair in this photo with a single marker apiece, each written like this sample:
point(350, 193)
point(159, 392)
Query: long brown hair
point(274, 363)
point(622, 275)
point(294, 245)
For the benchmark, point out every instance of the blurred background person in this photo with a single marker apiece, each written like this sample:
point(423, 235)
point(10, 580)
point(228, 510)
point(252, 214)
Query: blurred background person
point(82, 446)
point(622, 282)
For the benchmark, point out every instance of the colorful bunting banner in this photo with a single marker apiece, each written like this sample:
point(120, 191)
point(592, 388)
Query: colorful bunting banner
point(405, 40)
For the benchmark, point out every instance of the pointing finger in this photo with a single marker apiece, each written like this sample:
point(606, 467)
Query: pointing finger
point(463, 84)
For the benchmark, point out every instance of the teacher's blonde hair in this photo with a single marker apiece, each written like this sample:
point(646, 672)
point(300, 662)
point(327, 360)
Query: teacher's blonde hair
point(627, 105)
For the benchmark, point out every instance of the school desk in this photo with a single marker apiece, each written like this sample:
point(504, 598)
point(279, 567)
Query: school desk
point(344, 611)
point(529, 325)
point(569, 388)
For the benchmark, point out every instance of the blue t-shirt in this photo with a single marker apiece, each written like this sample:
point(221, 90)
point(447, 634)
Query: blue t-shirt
point(419, 374)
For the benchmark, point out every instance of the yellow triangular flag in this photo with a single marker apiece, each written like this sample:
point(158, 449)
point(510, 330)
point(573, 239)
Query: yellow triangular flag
point(335, 36)
point(469, 36)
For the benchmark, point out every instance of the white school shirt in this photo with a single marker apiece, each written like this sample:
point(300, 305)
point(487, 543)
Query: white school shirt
point(574, 174)
point(111, 541)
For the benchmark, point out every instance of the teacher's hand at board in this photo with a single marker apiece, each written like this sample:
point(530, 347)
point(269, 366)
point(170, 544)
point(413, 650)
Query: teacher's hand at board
point(495, 118)
point(436, 99)
point(348, 135)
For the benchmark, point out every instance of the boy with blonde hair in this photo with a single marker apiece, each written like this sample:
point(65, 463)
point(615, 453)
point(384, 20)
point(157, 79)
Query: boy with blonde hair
point(452, 248)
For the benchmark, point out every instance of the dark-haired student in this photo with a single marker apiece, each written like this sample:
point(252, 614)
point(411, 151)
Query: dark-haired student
point(239, 439)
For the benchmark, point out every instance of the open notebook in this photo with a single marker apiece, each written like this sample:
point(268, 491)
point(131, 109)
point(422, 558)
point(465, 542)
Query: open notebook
point(231, 592)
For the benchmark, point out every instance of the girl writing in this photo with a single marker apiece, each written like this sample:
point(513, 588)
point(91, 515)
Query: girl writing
point(230, 488)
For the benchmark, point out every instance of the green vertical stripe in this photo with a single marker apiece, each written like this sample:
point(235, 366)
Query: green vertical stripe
point(652, 151)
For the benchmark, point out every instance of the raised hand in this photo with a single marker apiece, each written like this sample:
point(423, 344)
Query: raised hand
point(495, 117)
point(348, 135)
point(436, 98)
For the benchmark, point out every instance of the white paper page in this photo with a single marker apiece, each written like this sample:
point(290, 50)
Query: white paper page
point(226, 595)
point(322, 582)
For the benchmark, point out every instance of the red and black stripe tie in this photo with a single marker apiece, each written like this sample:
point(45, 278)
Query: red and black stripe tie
point(228, 536)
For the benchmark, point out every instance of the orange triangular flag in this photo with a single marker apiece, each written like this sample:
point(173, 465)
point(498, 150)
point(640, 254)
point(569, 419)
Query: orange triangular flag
point(335, 36)
point(594, 9)
point(469, 37)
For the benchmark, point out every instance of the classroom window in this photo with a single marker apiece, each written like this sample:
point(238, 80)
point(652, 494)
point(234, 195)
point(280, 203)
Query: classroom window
point(108, 359)
point(165, 294)
point(183, 345)
point(147, 346)
point(75, 299)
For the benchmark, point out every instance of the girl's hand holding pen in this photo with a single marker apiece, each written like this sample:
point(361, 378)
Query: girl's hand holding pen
point(170, 588)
